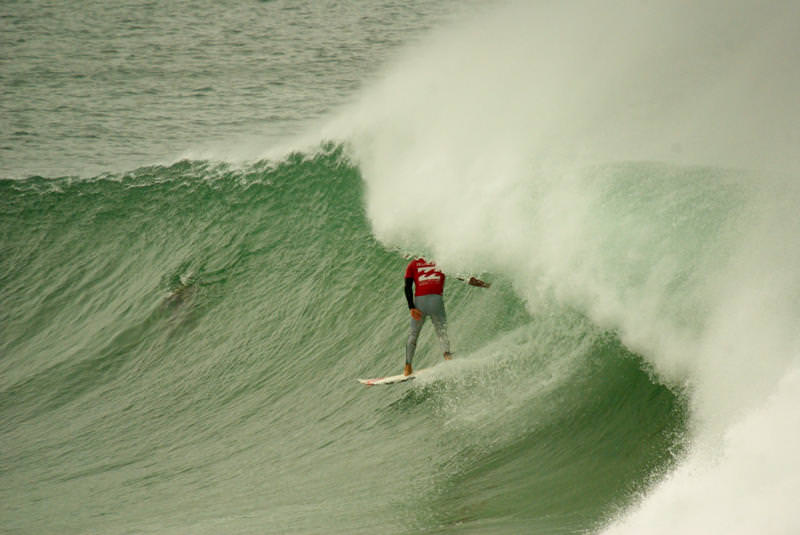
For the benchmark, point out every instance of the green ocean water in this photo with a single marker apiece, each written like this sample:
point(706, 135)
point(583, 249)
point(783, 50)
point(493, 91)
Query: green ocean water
point(183, 352)
point(205, 216)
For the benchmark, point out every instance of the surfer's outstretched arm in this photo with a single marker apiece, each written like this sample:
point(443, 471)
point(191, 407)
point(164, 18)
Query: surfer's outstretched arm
point(472, 281)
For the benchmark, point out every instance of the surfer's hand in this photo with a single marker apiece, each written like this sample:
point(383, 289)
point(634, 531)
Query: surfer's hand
point(416, 314)
point(477, 282)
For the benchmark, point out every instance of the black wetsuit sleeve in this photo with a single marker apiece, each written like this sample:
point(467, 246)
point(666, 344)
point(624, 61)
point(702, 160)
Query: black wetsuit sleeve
point(410, 291)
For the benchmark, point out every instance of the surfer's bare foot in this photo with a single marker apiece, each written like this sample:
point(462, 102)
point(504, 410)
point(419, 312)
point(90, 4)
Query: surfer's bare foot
point(448, 356)
point(407, 370)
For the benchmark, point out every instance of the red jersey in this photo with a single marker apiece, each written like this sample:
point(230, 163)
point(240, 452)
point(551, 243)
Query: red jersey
point(427, 277)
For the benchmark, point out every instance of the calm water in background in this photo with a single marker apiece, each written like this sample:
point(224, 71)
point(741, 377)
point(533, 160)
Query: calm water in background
point(94, 87)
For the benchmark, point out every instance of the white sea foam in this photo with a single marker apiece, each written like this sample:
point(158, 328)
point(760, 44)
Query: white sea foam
point(496, 145)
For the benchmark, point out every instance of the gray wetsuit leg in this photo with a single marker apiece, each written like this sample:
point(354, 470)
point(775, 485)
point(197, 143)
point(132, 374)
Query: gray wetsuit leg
point(433, 306)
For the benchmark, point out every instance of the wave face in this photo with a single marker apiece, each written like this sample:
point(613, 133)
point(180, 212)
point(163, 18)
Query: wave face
point(180, 347)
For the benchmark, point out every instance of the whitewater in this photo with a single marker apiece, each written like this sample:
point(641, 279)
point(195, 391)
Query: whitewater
point(194, 273)
point(510, 130)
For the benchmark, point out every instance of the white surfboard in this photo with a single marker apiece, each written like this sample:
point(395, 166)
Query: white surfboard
point(393, 379)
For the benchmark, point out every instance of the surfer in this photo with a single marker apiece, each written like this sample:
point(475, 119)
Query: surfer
point(424, 288)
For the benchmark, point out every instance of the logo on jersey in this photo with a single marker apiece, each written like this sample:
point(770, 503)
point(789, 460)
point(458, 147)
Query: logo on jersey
point(426, 275)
